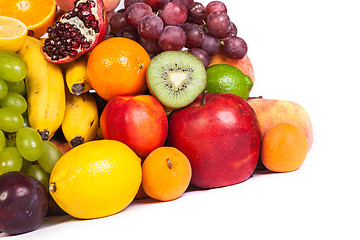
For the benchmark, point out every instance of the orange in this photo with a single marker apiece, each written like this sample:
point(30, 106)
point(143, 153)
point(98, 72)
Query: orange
point(284, 148)
point(37, 15)
point(117, 67)
point(166, 174)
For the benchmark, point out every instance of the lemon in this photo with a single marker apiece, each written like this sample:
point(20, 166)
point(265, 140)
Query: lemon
point(12, 34)
point(96, 179)
point(229, 79)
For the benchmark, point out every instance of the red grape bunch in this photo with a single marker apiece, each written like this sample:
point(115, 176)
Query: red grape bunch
point(174, 25)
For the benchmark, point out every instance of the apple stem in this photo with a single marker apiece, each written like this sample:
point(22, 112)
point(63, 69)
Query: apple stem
point(204, 98)
point(169, 163)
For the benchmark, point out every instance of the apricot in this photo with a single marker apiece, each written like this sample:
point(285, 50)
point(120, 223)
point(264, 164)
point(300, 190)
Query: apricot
point(270, 112)
point(166, 174)
point(284, 148)
point(243, 64)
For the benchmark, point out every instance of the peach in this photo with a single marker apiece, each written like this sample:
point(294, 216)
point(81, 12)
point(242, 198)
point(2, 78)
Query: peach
point(270, 112)
point(243, 64)
point(67, 5)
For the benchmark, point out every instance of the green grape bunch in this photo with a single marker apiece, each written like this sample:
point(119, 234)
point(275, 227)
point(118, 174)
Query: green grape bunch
point(21, 147)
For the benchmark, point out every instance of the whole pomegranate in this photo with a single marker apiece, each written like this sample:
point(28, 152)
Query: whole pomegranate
point(67, 5)
point(76, 32)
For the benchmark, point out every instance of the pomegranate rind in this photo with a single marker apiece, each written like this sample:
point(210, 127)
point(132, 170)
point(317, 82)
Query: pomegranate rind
point(98, 10)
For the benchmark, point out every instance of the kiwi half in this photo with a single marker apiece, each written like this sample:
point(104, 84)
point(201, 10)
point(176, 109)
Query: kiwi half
point(176, 78)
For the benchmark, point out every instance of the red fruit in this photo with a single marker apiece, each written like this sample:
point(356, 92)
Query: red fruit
point(76, 32)
point(156, 4)
point(220, 135)
point(67, 5)
point(138, 121)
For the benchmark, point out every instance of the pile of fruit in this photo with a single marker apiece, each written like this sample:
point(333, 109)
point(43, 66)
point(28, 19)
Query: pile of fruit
point(101, 107)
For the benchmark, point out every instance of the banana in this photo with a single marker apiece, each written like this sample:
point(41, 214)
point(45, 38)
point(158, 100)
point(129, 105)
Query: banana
point(45, 89)
point(76, 75)
point(81, 121)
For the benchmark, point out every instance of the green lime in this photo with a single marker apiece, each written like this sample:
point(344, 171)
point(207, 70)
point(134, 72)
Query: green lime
point(229, 79)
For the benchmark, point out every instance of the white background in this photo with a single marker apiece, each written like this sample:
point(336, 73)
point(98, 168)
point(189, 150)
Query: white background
point(304, 51)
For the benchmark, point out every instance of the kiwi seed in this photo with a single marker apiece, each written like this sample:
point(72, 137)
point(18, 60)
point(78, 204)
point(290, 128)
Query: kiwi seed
point(176, 78)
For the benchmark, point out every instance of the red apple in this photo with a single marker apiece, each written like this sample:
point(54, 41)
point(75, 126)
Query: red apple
point(220, 135)
point(138, 121)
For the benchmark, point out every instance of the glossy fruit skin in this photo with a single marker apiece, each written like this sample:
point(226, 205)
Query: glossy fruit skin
point(23, 203)
point(103, 181)
point(67, 5)
point(243, 64)
point(80, 19)
point(12, 67)
point(271, 112)
point(117, 67)
point(138, 121)
point(221, 138)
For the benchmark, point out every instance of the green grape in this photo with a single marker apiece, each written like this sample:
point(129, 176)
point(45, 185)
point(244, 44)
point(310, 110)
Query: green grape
point(2, 140)
point(11, 54)
point(50, 156)
point(18, 87)
point(10, 160)
point(3, 89)
point(14, 101)
point(38, 173)
point(29, 143)
point(12, 67)
point(26, 121)
point(25, 165)
point(10, 121)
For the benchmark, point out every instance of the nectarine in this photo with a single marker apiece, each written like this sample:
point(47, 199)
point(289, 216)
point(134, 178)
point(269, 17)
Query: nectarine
point(243, 64)
point(270, 112)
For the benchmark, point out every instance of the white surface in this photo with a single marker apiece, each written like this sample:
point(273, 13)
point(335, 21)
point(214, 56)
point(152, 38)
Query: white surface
point(304, 51)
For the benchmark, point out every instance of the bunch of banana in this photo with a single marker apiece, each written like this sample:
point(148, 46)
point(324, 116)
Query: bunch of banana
point(76, 75)
point(81, 121)
point(45, 90)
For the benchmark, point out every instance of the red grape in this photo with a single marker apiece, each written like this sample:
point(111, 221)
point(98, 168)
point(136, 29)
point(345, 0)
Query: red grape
point(232, 30)
point(174, 14)
point(150, 27)
point(156, 4)
point(117, 22)
point(187, 3)
point(215, 6)
point(201, 54)
point(235, 47)
point(217, 23)
point(194, 35)
point(210, 44)
point(23, 203)
point(173, 38)
point(137, 11)
point(127, 3)
point(152, 47)
point(197, 13)
point(129, 32)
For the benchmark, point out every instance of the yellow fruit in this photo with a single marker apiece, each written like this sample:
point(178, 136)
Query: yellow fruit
point(96, 179)
point(12, 34)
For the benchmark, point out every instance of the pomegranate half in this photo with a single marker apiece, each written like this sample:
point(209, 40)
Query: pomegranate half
point(76, 32)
